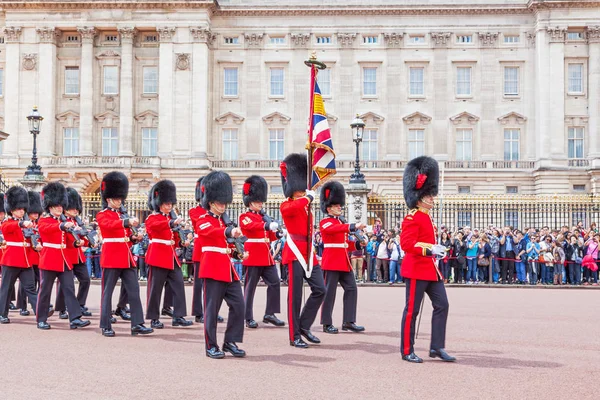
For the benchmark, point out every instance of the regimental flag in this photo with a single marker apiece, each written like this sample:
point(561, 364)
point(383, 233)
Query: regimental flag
point(323, 165)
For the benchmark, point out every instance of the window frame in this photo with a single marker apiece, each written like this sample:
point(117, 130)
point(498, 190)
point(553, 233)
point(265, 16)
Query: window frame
point(463, 142)
point(276, 95)
point(325, 95)
point(71, 139)
point(144, 68)
point(110, 140)
point(465, 42)
point(237, 81)
point(504, 82)
point(575, 139)
point(235, 141)
point(151, 140)
point(423, 86)
point(364, 68)
point(412, 42)
point(277, 141)
point(72, 68)
point(235, 40)
point(104, 92)
point(583, 77)
point(415, 142)
point(511, 42)
point(462, 95)
point(511, 141)
point(367, 38)
point(373, 144)
point(328, 42)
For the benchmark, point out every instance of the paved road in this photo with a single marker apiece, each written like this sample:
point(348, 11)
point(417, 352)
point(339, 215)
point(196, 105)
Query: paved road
point(511, 343)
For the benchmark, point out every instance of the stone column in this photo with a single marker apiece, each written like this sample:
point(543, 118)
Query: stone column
point(86, 91)
point(12, 37)
point(594, 95)
point(356, 202)
point(556, 111)
point(126, 92)
point(165, 91)
point(47, 89)
point(200, 97)
point(542, 98)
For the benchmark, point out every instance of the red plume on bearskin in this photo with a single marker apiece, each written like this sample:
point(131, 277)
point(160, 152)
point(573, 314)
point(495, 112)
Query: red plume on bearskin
point(115, 185)
point(256, 189)
point(421, 177)
point(199, 191)
point(163, 192)
point(332, 192)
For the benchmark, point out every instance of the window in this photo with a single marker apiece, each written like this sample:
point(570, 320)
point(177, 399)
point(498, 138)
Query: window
point(511, 144)
point(1, 82)
point(464, 189)
point(512, 38)
point(464, 144)
point(370, 39)
point(511, 218)
point(575, 35)
point(111, 38)
point(575, 142)
point(277, 39)
point(111, 80)
point(110, 142)
point(463, 81)
point(324, 81)
point(369, 81)
point(276, 144)
point(230, 144)
point(464, 219)
point(417, 39)
point(70, 141)
point(150, 80)
point(369, 151)
point(416, 143)
point(511, 81)
point(464, 39)
point(72, 38)
point(149, 142)
point(230, 78)
point(323, 39)
point(276, 82)
point(575, 78)
point(417, 87)
point(579, 188)
point(231, 40)
point(512, 189)
point(150, 38)
point(72, 80)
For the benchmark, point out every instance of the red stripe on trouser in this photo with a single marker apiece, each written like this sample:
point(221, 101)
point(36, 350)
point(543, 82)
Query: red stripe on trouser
point(291, 299)
point(324, 280)
point(102, 296)
point(148, 286)
point(194, 283)
point(409, 314)
point(204, 301)
point(37, 305)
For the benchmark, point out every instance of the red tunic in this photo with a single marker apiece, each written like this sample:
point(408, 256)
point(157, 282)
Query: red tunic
point(74, 254)
point(295, 219)
point(52, 256)
point(259, 239)
point(163, 241)
point(33, 255)
point(116, 251)
point(335, 235)
point(195, 214)
point(216, 262)
point(15, 254)
point(418, 237)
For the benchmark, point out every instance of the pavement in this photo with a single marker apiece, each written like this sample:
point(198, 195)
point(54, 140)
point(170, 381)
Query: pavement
point(510, 344)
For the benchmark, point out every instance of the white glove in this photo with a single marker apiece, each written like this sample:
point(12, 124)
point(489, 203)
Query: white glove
point(438, 250)
point(311, 193)
point(273, 226)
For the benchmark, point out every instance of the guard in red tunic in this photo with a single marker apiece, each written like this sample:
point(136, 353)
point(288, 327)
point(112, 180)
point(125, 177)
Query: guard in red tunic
point(260, 230)
point(298, 252)
point(419, 267)
point(165, 267)
point(15, 263)
point(221, 281)
point(76, 257)
point(335, 261)
point(116, 259)
point(53, 258)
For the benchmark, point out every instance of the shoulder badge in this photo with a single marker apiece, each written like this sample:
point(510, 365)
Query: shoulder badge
point(204, 225)
point(246, 220)
point(328, 224)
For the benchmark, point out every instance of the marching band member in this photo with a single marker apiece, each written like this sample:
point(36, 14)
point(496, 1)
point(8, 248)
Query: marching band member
point(335, 261)
point(15, 263)
point(297, 253)
point(53, 258)
point(161, 257)
point(116, 259)
point(221, 281)
point(260, 231)
point(419, 267)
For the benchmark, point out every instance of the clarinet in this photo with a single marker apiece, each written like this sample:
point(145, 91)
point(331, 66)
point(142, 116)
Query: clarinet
point(124, 214)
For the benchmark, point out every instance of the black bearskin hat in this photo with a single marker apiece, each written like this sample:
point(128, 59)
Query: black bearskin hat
point(332, 192)
point(216, 186)
point(54, 194)
point(162, 192)
point(35, 203)
point(151, 198)
point(115, 185)
point(421, 178)
point(199, 189)
point(293, 170)
point(2, 202)
point(255, 189)
point(74, 200)
point(15, 198)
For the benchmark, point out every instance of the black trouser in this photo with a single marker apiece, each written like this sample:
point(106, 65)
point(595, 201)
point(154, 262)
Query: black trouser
point(348, 282)
point(436, 291)
point(214, 294)
point(47, 279)
point(129, 285)
point(508, 267)
point(303, 320)
point(123, 298)
point(22, 295)
point(269, 275)
point(197, 293)
point(458, 271)
point(27, 282)
point(168, 297)
point(96, 269)
point(142, 267)
point(81, 273)
point(156, 282)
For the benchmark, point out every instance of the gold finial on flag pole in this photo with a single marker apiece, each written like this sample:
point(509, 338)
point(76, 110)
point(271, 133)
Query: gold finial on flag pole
point(312, 61)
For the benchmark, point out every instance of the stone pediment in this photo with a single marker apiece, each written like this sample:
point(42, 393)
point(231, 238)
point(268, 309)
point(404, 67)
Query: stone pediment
point(464, 118)
point(518, 118)
point(69, 114)
point(223, 118)
point(106, 115)
point(283, 119)
point(146, 114)
point(376, 118)
point(108, 54)
point(417, 118)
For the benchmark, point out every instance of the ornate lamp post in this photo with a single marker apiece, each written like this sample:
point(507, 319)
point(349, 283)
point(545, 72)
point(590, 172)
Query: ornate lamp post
point(35, 122)
point(358, 127)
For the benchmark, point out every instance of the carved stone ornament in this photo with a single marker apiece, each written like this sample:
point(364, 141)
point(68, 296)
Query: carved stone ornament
point(108, 54)
point(253, 39)
point(183, 61)
point(417, 118)
point(513, 117)
point(12, 34)
point(203, 35)
point(29, 61)
point(127, 33)
point(557, 34)
point(488, 38)
point(47, 34)
point(166, 33)
point(346, 39)
point(440, 38)
point(87, 34)
point(283, 119)
point(110, 103)
point(393, 39)
point(464, 118)
point(593, 34)
point(300, 39)
point(358, 208)
point(531, 37)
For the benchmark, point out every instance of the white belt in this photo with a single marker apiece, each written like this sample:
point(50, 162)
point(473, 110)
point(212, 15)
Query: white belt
point(255, 240)
point(17, 244)
point(116, 240)
point(163, 241)
point(336, 245)
point(54, 245)
point(222, 250)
